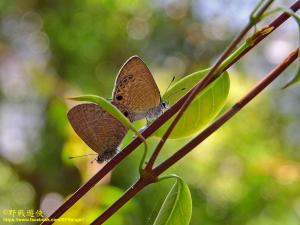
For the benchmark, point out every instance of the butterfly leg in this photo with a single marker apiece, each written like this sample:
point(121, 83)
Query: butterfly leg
point(141, 130)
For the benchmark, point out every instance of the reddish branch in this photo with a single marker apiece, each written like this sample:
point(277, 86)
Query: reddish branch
point(151, 129)
point(228, 114)
point(207, 80)
point(144, 181)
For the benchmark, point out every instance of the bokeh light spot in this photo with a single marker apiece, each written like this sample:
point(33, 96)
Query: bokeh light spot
point(50, 203)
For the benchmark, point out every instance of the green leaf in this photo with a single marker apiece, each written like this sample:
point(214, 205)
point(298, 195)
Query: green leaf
point(204, 107)
point(296, 77)
point(177, 207)
point(107, 106)
point(116, 113)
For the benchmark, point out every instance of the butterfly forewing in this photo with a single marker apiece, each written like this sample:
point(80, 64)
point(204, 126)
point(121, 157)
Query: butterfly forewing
point(135, 87)
point(96, 127)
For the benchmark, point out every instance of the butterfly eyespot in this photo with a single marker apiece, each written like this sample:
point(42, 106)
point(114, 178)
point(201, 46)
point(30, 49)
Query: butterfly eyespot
point(119, 97)
point(126, 114)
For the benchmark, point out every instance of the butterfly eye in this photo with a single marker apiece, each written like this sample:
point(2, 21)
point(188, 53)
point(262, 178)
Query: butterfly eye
point(119, 97)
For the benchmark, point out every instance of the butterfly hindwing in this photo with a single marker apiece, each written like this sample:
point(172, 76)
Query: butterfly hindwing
point(96, 127)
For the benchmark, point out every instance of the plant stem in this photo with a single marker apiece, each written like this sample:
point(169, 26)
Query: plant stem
point(132, 191)
point(227, 115)
point(204, 82)
point(140, 184)
point(233, 56)
point(256, 13)
point(81, 191)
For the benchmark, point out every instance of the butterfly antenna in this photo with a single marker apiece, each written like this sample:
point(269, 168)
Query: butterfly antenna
point(73, 157)
point(175, 92)
point(169, 85)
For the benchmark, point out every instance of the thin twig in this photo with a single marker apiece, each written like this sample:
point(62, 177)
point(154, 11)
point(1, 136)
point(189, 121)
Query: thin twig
point(130, 193)
point(226, 116)
point(147, 132)
point(207, 79)
point(138, 186)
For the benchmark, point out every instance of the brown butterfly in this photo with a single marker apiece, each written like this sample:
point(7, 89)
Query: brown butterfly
point(98, 129)
point(135, 94)
point(136, 89)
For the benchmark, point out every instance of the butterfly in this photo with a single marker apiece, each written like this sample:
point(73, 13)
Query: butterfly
point(136, 89)
point(135, 94)
point(98, 129)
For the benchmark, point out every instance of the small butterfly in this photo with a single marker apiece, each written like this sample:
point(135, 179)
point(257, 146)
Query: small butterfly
point(136, 89)
point(98, 129)
point(135, 94)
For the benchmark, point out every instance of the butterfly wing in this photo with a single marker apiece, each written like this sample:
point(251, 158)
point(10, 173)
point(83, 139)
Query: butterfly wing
point(96, 127)
point(135, 87)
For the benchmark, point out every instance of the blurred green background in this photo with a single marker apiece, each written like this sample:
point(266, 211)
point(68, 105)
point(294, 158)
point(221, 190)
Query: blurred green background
point(246, 173)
